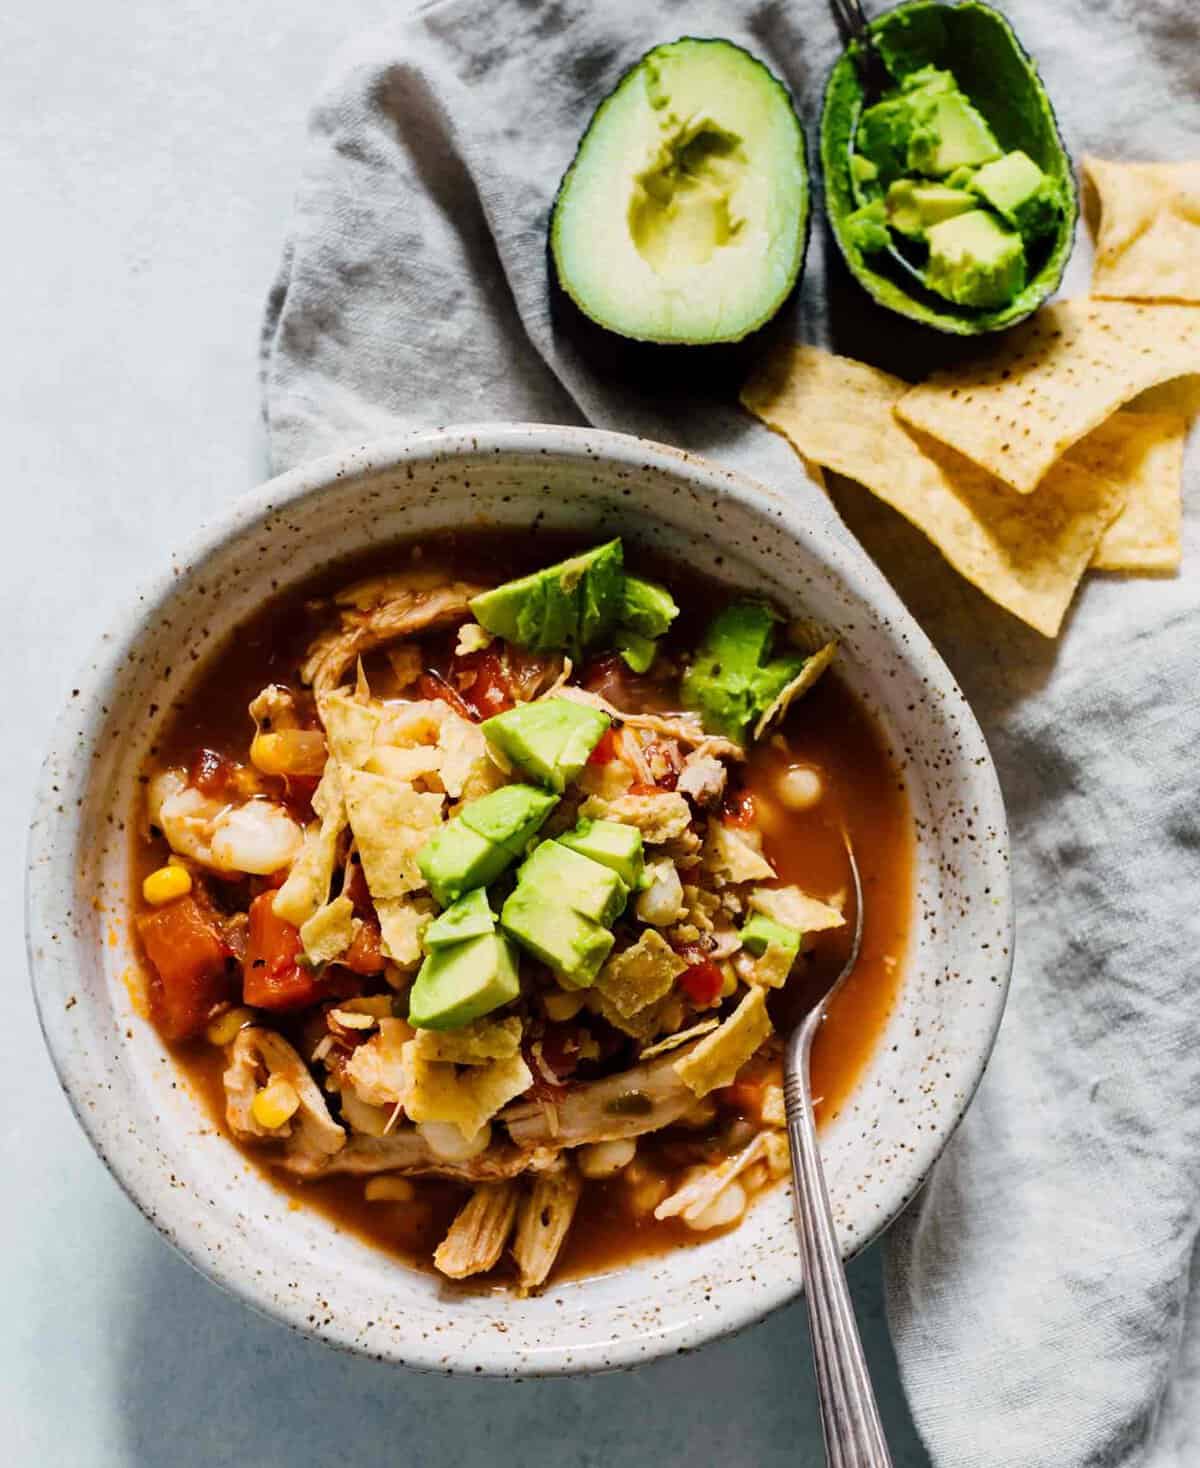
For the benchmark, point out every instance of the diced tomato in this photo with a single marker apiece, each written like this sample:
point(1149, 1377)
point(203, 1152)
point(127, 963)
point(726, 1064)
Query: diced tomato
point(365, 954)
point(606, 748)
point(560, 1048)
point(433, 685)
point(744, 1095)
point(738, 809)
point(480, 678)
point(184, 943)
point(702, 981)
point(643, 787)
point(271, 977)
point(210, 772)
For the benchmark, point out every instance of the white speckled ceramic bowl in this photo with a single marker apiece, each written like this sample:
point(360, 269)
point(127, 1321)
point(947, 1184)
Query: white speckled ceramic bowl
point(227, 1219)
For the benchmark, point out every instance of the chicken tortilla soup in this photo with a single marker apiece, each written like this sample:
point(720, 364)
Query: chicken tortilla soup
point(477, 908)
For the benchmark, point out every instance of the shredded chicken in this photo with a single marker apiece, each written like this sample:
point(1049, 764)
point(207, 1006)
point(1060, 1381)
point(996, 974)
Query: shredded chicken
point(687, 728)
point(406, 1152)
point(702, 778)
point(479, 1232)
point(705, 1187)
point(643, 1099)
point(382, 610)
point(545, 1218)
point(312, 1136)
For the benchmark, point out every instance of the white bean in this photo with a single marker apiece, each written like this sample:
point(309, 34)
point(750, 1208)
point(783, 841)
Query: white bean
point(448, 1144)
point(726, 1208)
point(800, 787)
point(606, 1159)
point(662, 902)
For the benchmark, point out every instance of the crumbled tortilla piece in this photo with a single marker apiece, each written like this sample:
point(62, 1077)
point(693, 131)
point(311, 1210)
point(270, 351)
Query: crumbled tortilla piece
point(640, 975)
point(472, 638)
point(772, 967)
point(473, 1044)
point(350, 728)
point(659, 818)
point(307, 885)
point(718, 1057)
point(468, 769)
point(391, 821)
point(1148, 233)
point(797, 688)
point(773, 1111)
point(646, 1023)
point(731, 855)
point(378, 1069)
point(1143, 452)
point(464, 1098)
point(680, 1037)
point(402, 922)
point(795, 909)
point(406, 662)
point(410, 763)
point(330, 931)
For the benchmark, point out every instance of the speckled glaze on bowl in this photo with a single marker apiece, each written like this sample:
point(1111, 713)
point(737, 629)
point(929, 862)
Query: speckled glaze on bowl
point(291, 1264)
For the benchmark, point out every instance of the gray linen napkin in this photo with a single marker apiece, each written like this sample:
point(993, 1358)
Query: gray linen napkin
point(1039, 1290)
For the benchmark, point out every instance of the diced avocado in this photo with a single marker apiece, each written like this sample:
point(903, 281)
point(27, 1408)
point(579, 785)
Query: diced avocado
point(550, 739)
point(684, 215)
point(862, 169)
point(913, 205)
point(646, 607)
point(960, 178)
point(573, 604)
point(458, 984)
point(760, 932)
point(948, 133)
point(733, 678)
point(507, 817)
point(1019, 192)
point(638, 652)
point(563, 876)
point(470, 917)
point(611, 843)
point(930, 80)
point(882, 137)
point(868, 227)
point(975, 261)
point(455, 859)
point(572, 946)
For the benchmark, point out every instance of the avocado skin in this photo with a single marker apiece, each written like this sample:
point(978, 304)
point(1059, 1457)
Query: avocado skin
point(649, 355)
point(1007, 90)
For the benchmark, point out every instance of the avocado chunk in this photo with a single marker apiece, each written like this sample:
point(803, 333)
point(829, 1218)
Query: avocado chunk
point(508, 817)
point(868, 227)
point(572, 946)
point(572, 605)
point(912, 205)
point(484, 838)
point(975, 261)
point(550, 739)
point(637, 652)
point(646, 607)
point(455, 859)
point(760, 932)
point(460, 983)
point(684, 215)
point(611, 843)
point(733, 678)
point(948, 133)
point(470, 917)
point(1018, 190)
point(565, 877)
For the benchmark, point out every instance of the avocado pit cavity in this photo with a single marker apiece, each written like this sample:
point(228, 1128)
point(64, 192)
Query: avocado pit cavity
point(680, 213)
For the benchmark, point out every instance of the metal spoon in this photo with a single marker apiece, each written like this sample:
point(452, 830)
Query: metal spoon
point(849, 1416)
point(852, 20)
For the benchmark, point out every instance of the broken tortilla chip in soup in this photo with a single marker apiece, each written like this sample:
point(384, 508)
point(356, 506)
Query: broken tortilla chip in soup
point(1148, 232)
point(1017, 410)
point(1027, 553)
point(1143, 452)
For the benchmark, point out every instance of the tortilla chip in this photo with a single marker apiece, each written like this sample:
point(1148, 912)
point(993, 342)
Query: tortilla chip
point(717, 1058)
point(792, 908)
point(1144, 453)
point(640, 975)
point(680, 1037)
point(402, 922)
point(1026, 553)
point(731, 856)
point(798, 687)
point(1148, 235)
point(473, 1044)
point(350, 728)
point(1016, 411)
point(330, 931)
point(391, 822)
point(308, 882)
point(771, 969)
point(466, 1098)
point(1180, 396)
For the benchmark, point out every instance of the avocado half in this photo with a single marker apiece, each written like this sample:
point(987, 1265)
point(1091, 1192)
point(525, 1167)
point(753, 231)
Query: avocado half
point(684, 216)
point(979, 46)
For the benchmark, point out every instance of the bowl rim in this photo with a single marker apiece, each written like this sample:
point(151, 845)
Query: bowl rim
point(52, 823)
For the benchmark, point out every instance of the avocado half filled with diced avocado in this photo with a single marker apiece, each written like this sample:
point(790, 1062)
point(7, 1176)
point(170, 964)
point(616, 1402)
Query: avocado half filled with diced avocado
point(684, 215)
point(949, 193)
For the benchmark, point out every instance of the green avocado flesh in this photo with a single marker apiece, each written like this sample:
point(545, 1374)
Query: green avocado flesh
point(470, 917)
point(550, 739)
point(567, 878)
point(482, 840)
point(611, 843)
point(951, 196)
point(647, 611)
point(733, 678)
point(684, 215)
point(571, 945)
point(760, 932)
point(571, 605)
point(460, 983)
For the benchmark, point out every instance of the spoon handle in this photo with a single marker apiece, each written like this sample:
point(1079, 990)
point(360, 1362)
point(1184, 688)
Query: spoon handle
point(849, 1416)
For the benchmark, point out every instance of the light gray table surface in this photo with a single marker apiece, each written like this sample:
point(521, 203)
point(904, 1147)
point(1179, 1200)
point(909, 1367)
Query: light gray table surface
point(148, 154)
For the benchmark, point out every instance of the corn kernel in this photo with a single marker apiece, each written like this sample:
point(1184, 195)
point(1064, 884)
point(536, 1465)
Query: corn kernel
point(289, 752)
point(562, 1006)
point(166, 884)
point(389, 1190)
point(226, 1027)
point(275, 1104)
